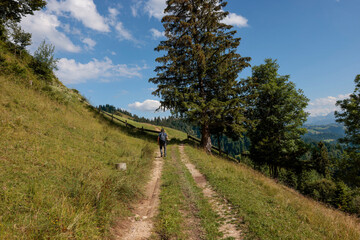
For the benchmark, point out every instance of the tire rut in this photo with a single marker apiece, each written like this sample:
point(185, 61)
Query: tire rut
point(219, 205)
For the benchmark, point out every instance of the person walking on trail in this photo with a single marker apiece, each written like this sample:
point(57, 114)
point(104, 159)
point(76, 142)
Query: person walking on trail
point(162, 138)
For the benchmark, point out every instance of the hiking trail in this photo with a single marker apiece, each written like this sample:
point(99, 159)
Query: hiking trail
point(140, 225)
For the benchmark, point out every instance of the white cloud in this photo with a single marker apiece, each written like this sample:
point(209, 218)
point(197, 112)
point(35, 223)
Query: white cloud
point(89, 42)
point(148, 105)
point(156, 34)
point(324, 106)
point(113, 13)
point(236, 20)
point(155, 8)
point(82, 10)
point(44, 26)
point(122, 32)
point(72, 72)
point(135, 8)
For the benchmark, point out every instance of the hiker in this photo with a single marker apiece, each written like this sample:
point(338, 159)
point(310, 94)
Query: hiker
point(162, 138)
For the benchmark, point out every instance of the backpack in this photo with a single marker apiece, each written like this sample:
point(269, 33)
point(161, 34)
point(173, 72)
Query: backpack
point(162, 137)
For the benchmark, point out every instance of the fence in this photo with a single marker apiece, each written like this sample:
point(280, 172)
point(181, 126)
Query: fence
point(127, 124)
point(154, 131)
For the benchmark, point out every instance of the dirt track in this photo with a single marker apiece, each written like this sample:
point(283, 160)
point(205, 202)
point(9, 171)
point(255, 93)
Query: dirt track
point(140, 226)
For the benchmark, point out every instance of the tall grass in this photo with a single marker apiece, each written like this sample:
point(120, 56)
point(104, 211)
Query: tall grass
point(57, 175)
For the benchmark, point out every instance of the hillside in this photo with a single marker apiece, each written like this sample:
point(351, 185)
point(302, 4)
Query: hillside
point(57, 175)
point(58, 181)
point(328, 132)
point(321, 120)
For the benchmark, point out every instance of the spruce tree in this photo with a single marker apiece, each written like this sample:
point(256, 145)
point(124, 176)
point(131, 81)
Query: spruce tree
point(350, 117)
point(197, 76)
point(278, 114)
point(321, 159)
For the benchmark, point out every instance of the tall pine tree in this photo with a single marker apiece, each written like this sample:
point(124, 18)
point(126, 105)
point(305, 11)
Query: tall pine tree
point(278, 113)
point(350, 117)
point(197, 76)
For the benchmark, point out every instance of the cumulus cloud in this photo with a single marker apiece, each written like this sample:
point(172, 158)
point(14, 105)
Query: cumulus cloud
point(148, 105)
point(236, 20)
point(89, 42)
point(155, 8)
point(156, 34)
point(44, 26)
point(82, 10)
point(72, 72)
point(324, 106)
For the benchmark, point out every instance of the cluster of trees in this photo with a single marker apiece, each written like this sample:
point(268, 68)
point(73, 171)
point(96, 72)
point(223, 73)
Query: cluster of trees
point(11, 11)
point(197, 80)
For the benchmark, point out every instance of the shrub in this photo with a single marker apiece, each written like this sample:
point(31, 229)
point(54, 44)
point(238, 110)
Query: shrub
point(44, 61)
point(355, 205)
point(322, 190)
point(289, 178)
point(342, 197)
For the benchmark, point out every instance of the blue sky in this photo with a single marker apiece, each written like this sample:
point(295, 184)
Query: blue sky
point(106, 47)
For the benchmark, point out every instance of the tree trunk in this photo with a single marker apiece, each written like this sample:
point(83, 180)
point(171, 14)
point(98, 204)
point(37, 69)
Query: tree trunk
point(205, 138)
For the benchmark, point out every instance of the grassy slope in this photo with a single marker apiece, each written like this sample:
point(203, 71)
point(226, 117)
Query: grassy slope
point(57, 176)
point(271, 210)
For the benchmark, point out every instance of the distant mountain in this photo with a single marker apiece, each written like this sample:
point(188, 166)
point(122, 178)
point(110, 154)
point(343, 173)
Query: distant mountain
point(321, 120)
point(327, 132)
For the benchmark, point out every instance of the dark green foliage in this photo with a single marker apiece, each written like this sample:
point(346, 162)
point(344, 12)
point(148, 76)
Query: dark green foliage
point(321, 160)
point(349, 116)
point(108, 108)
point(15, 9)
point(278, 112)
point(355, 204)
point(349, 168)
point(19, 37)
point(322, 190)
point(342, 198)
point(197, 76)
